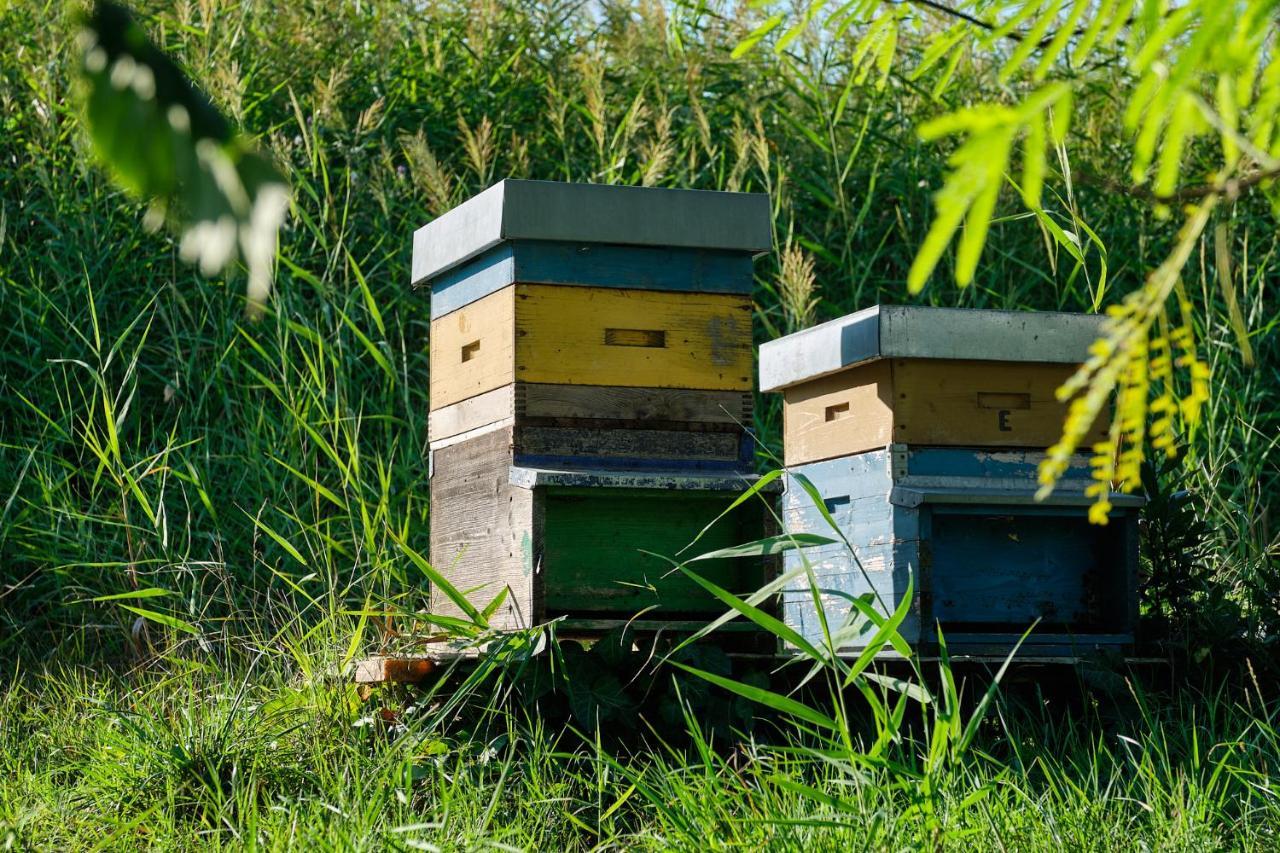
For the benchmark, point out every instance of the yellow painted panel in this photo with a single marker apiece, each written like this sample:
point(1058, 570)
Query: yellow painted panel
point(473, 349)
point(848, 412)
point(980, 403)
point(633, 338)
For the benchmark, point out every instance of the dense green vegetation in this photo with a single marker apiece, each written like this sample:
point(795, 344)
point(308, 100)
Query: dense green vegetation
point(251, 491)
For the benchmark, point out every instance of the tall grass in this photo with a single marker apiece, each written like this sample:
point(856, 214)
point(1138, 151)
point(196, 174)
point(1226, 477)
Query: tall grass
point(203, 519)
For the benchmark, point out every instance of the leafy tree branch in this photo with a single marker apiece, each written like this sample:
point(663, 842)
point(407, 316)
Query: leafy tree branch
point(1196, 81)
point(165, 142)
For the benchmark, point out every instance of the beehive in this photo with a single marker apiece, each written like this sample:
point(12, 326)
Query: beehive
point(590, 393)
point(921, 429)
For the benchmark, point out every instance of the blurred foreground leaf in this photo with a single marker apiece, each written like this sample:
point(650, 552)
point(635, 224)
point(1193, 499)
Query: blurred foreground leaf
point(166, 143)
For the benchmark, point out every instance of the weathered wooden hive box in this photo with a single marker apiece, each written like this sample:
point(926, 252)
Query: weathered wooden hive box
point(922, 429)
point(591, 378)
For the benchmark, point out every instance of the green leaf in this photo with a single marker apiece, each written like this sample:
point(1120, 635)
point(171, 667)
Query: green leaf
point(1033, 162)
point(755, 488)
point(279, 540)
point(163, 619)
point(441, 583)
point(774, 626)
point(769, 545)
point(758, 34)
point(164, 142)
point(152, 592)
point(764, 697)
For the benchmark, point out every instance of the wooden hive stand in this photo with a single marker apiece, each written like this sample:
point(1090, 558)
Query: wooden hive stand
point(922, 429)
point(591, 389)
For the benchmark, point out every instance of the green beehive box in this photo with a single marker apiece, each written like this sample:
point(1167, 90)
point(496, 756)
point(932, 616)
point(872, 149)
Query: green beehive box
point(591, 377)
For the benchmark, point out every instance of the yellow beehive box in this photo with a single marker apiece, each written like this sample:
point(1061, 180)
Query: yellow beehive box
point(925, 376)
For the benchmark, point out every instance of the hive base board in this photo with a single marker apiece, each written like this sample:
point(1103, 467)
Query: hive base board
point(985, 570)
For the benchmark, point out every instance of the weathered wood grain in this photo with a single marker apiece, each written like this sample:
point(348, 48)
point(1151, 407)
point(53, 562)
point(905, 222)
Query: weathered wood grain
point(612, 478)
point(595, 406)
point(653, 444)
point(838, 415)
point(472, 413)
point(483, 529)
point(980, 404)
point(561, 338)
point(473, 349)
point(642, 405)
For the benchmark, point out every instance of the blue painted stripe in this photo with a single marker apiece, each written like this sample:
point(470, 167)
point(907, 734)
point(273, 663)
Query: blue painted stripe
point(487, 274)
point(591, 265)
point(979, 462)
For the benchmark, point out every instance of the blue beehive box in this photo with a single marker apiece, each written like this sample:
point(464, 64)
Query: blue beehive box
point(921, 429)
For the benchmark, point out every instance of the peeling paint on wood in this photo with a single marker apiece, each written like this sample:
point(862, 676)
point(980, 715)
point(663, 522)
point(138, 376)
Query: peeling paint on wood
point(979, 564)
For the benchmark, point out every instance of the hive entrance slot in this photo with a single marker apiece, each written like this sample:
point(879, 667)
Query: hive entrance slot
point(839, 410)
point(654, 338)
point(1003, 400)
point(470, 351)
point(834, 504)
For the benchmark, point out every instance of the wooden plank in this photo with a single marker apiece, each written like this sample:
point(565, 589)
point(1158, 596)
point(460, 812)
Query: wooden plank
point(672, 445)
point(1006, 570)
point(838, 415)
point(599, 478)
point(980, 404)
point(888, 567)
point(931, 464)
point(885, 540)
point(595, 407)
point(591, 265)
point(561, 332)
point(484, 529)
point(474, 280)
point(592, 213)
point(656, 405)
point(473, 413)
point(473, 349)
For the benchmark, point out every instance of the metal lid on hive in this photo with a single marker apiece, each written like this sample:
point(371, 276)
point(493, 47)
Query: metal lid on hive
point(548, 212)
point(911, 331)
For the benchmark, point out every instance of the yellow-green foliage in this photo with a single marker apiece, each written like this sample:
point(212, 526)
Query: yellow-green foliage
point(1200, 74)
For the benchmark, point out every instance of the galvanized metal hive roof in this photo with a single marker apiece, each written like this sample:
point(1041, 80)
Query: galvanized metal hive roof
point(591, 213)
point(910, 331)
